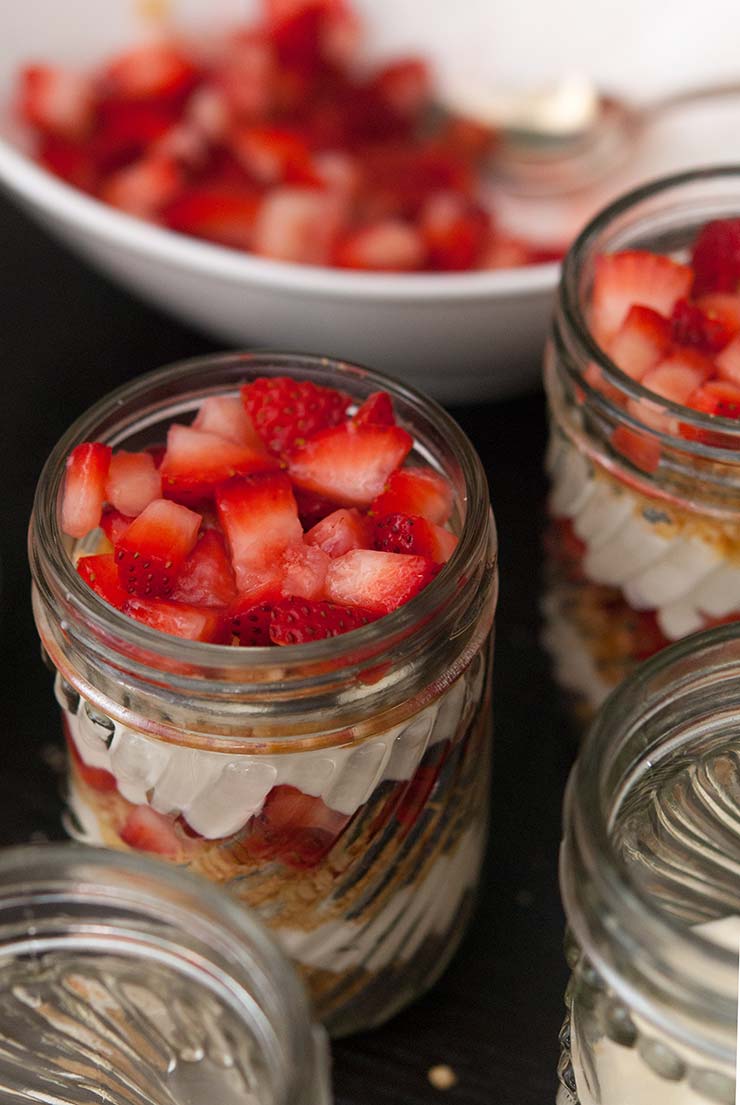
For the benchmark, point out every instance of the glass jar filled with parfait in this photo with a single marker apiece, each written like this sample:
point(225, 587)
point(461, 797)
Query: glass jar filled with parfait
point(642, 373)
point(266, 584)
point(649, 875)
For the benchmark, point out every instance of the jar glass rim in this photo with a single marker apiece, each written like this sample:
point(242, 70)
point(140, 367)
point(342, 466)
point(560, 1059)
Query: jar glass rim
point(579, 256)
point(137, 635)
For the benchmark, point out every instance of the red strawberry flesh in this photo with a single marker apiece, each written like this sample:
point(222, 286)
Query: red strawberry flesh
point(84, 488)
point(153, 549)
point(349, 464)
point(286, 411)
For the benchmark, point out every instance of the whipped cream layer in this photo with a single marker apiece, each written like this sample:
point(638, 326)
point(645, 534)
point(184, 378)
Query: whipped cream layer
point(659, 560)
point(218, 793)
point(614, 1074)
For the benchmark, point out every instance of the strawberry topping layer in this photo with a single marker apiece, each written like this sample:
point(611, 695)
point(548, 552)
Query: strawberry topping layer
point(279, 517)
point(675, 328)
point(281, 140)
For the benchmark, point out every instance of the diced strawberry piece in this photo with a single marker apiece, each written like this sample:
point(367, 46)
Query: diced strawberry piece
point(505, 252)
point(251, 614)
point(722, 306)
point(57, 101)
point(406, 533)
point(180, 619)
point(728, 361)
point(247, 75)
point(386, 246)
point(456, 232)
point(297, 621)
point(96, 777)
point(152, 551)
point(400, 177)
point(716, 257)
point(419, 491)
point(101, 573)
point(297, 224)
point(634, 277)
point(149, 831)
point(341, 531)
point(692, 327)
point(273, 154)
point(641, 342)
point(643, 451)
point(294, 827)
point(114, 524)
point(405, 85)
point(312, 508)
point(340, 35)
point(304, 567)
point(207, 111)
point(206, 577)
point(221, 215)
point(349, 464)
point(226, 416)
point(259, 516)
point(133, 482)
point(718, 397)
point(144, 187)
point(678, 375)
point(157, 70)
point(337, 171)
point(285, 411)
point(377, 581)
point(70, 160)
point(196, 462)
point(84, 488)
point(297, 28)
point(125, 130)
point(377, 410)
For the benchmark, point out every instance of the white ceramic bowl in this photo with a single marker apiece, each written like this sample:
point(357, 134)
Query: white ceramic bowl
point(460, 336)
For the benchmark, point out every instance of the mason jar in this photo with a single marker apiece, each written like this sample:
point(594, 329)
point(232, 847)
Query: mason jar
point(650, 880)
point(125, 980)
point(643, 539)
point(379, 740)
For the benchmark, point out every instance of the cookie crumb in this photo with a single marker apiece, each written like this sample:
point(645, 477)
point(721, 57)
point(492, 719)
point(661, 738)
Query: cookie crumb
point(442, 1077)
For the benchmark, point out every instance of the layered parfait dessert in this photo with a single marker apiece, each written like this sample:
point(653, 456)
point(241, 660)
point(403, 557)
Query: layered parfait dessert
point(264, 537)
point(643, 540)
point(280, 138)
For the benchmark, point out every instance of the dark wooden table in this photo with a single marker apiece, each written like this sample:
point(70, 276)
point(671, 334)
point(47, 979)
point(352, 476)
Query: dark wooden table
point(67, 337)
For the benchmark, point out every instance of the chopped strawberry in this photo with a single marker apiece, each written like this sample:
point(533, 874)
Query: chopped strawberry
point(728, 361)
point(273, 154)
point(716, 257)
point(225, 216)
point(157, 70)
point(251, 614)
point(144, 187)
point(293, 827)
point(225, 415)
point(349, 463)
point(285, 411)
point(153, 549)
point(114, 524)
point(84, 488)
point(149, 831)
point(386, 246)
point(407, 533)
point(641, 342)
point(677, 376)
point(504, 252)
point(247, 74)
point(133, 482)
point(259, 516)
point(101, 573)
point(693, 327)
point(297, 621)
point(197, 461)
point(377, 581)
point(341, 531)
point(57, 101)
point(304, 571)
point(377, 410)
point(641, 450)
point(405, 85)
point(722, 306)
point(96, 777)
point(206, 577)
point(456, 232)
point(338, 172)
point(180, 619)
point(419, 491)
point(634, 277)
point(125, 130)
point(717, 397)
point(297, 224)
point(70, 160)
point(312, 508)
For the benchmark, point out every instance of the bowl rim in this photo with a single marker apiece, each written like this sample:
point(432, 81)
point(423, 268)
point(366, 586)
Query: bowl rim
point(36, 185)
